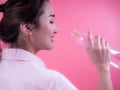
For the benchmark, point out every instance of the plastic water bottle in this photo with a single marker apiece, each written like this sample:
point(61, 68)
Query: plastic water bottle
point(81, 37)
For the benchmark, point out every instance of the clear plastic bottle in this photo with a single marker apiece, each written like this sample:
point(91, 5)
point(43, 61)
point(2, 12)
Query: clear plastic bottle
point(81, 37)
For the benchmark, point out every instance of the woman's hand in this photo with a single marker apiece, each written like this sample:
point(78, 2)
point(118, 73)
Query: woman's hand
point(98, 51)
point(100, 54)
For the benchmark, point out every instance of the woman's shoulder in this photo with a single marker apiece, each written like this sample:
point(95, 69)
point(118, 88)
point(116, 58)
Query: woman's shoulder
point(59, 81)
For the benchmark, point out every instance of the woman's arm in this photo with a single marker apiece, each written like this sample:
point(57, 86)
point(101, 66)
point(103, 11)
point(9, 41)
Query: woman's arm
point(100, 55)
point(104, 78)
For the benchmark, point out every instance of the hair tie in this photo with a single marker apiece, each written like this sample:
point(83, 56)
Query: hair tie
point(2, 7)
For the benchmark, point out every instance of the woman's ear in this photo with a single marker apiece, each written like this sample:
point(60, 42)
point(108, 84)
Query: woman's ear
point(26, 28)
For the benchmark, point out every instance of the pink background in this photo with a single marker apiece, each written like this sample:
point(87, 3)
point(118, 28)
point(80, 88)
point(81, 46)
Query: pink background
point(102, 17)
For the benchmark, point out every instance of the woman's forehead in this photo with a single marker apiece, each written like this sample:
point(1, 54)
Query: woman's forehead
point(48, 9)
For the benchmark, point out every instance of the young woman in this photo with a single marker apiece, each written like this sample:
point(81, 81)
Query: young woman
point(28, 25)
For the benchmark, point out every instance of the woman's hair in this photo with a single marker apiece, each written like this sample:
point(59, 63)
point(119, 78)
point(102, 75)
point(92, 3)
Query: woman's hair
point(16, 12)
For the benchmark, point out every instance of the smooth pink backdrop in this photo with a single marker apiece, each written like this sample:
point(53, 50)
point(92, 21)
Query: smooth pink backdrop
point(102, 17)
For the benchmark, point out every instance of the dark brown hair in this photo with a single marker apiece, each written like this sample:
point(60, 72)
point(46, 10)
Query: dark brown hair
point(14, 13)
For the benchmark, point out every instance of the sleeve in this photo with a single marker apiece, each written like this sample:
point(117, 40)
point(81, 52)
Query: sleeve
point(62, 83)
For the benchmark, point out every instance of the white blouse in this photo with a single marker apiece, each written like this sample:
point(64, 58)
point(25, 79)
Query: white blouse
point(21, 70)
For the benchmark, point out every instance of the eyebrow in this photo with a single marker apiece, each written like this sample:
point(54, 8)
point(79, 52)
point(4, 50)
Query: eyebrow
point(52, 15)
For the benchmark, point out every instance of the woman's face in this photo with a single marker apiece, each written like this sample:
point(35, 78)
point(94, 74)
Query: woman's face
point(43, 37)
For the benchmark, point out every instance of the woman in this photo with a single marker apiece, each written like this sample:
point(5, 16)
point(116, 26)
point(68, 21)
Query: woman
point(28, 25)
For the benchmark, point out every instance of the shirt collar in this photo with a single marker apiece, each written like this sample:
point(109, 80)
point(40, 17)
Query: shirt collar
point(20, 55)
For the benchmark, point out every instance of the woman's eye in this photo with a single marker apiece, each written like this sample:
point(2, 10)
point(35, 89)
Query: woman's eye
point(51, 22)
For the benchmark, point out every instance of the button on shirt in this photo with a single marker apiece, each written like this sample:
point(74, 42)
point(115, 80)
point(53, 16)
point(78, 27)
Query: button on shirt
point(21, 70)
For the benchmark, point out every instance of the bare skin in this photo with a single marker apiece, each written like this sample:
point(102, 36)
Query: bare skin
point(101, 57)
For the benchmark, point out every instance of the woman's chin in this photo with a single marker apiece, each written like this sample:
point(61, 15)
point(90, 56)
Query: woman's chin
point(50, 48)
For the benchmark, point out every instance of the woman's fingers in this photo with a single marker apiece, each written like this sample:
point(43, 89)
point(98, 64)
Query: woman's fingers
point(98, 42)
point(90, 39)
point(98, 50)
point(103, 43)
